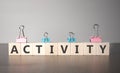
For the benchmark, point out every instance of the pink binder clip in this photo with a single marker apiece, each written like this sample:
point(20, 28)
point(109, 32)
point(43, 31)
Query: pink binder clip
point(21, 38)
point(96, 38)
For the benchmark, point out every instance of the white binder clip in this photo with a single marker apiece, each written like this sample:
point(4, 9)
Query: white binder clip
point(21, 38)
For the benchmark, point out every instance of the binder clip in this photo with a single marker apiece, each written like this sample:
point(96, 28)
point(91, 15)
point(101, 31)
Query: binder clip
point(45, 38)
point(96, 38)
point(71, 38)
point(21, 38)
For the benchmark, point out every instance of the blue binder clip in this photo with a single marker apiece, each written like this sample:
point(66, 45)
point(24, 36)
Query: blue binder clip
point(71, 38)
point(45, 38)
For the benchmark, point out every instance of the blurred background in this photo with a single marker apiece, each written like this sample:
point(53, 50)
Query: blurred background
point(58, 17)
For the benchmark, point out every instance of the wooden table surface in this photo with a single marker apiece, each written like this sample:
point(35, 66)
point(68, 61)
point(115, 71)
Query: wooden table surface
point(60, 64)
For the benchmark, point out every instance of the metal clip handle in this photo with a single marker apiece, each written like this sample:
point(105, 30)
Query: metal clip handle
point(21, 31)
point(46, 34)
point(96, 29)
point(71, 34)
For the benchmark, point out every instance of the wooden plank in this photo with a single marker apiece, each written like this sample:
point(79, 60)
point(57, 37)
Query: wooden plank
point(64, 49)
point(51, 49)
point(77, 49)
point(14, 49)
point(103, 49)
point(38, 48)
point(90, 49)
point(26, 48)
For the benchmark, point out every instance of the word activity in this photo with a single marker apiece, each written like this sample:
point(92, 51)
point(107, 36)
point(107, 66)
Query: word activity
point(59, 48)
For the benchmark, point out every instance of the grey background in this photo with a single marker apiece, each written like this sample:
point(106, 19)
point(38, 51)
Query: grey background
point(58, 17)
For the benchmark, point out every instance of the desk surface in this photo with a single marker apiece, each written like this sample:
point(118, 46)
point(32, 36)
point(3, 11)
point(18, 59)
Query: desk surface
point(60, 64)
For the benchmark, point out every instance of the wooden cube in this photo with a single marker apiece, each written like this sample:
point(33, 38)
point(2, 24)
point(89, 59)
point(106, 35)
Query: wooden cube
point(26, 49)
point(51, 49)
point(103, 48)
point(64, 49)
point(14, 49)
point(38, 48)
point(90, 48)
point(77, 49)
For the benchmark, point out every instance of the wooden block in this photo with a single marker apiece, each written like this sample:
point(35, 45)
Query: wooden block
point(38, 48)
point(64, 49)
point(51, 49)
point(90, 49)
point(26, 49)
point(103, 48)
point(14, 49)
point(77, 49)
